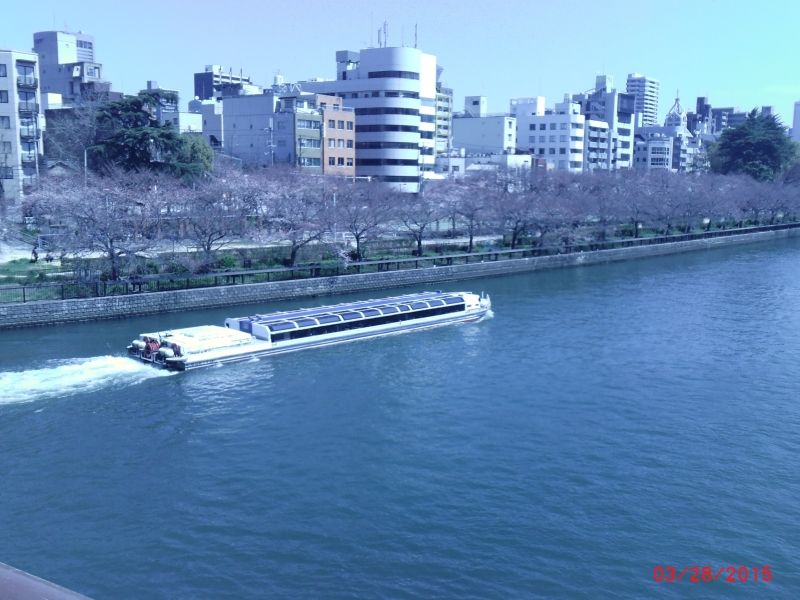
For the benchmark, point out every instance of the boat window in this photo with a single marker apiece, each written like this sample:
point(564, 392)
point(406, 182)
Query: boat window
point(306, 322)
point(282, 326)
point(371, 312)
point(404, 307)
point(419, 305)
point(329, 319)
point(454, 300)
point(389, 310)
point(434, 303)
point(349, 316)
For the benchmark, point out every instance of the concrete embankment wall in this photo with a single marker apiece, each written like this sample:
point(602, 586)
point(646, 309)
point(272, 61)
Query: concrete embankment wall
point(91, 309)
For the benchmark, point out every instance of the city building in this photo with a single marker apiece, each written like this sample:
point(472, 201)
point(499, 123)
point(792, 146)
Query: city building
point(444, 117)
point(645, 91)
point(596, 146)
point(671, 146)
point(700, 122)
point(214, 82)
point(617, 109)
point(20, 131)
point(554, 135)
point(167, 110)
point(796, 122)
point(393, 91)
point(476, 106)
point(68, 66)
point(458, 163)
point(653, 151)
point(246, 127)
point(489, 134)
point(315, 132)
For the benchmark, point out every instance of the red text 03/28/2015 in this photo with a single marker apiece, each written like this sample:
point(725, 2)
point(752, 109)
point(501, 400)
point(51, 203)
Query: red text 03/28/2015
point(707, 573)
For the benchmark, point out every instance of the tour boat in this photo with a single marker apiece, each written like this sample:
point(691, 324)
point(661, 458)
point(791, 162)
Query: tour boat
point(245, 338)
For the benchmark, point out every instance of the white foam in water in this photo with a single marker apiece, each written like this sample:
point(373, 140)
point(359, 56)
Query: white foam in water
point(67, 377)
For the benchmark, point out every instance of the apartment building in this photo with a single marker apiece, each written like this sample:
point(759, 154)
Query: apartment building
point(671, 146)
point(554, 135)
point(605, 103)
point(645, 91)
point(315, 132)
point(393, 92)
point(215, 82)
point(68, 66)
point(444, 118)
point(490, 134)
point(20, 127)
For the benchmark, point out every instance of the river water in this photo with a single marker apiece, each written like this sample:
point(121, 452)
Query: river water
point(607, 420)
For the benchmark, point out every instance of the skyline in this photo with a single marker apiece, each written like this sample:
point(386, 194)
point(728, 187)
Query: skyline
point(527, 53)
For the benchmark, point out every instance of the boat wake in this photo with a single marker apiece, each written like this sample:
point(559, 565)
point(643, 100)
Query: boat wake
point(67, 377)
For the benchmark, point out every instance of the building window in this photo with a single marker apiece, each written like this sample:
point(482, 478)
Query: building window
point(3, 72)
point(331, 161)
point(552, 138)
point(552, 126)
point(349, 161)
point(341, 125)
point(552, 151)
point(564, 126)
point(350, 126)
point(541, 150)
point(331, 123)
point(543, 138)
point(6, 173)
point(340, 143)
point(562, 138)
point(5, 147)
point(5, 122)
point(331, 143)
point(531, 138)
point(532, 126)
point(340, 161)
point(542, 126)
point(349, 143)
point(562, 150)
point(3, 96)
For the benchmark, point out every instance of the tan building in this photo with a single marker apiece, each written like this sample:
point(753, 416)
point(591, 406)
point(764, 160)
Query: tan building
point(20, 130)
point(339, 137)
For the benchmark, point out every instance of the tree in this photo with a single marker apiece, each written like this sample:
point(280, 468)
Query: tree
point(193, 157)
point(759, 147)
point(416, 213)
point(362, 208)
point(212, 214)
point(113, 216)
point(299, 210)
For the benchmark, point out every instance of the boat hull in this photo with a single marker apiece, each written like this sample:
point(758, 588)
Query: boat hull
point(260, 349)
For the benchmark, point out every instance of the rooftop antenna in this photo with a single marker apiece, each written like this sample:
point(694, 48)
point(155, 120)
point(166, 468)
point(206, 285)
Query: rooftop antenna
point(385, 33)
point(379, 38)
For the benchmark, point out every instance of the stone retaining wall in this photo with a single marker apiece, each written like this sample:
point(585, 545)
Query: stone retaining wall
point(91, 309)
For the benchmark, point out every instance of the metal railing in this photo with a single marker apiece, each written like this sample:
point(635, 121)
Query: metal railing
point(28, 107)
point(24, 81)
point(66, 290)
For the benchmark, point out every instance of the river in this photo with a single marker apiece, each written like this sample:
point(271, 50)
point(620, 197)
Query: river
point(606, 421)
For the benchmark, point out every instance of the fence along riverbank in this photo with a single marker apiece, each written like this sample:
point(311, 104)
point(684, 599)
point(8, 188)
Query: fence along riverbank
point(44, 304)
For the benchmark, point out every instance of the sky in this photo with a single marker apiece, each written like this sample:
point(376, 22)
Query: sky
point(735, 52)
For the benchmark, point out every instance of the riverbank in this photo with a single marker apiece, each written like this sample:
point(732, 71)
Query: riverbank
point(50, 312)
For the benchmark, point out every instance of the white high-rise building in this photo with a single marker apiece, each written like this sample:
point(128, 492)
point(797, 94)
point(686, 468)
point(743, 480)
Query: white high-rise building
point(20, 131)
point(554, 135)
point(393, 91)
point(645, 90)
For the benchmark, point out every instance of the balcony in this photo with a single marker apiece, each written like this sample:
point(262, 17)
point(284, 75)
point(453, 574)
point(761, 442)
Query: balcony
point(27, 82)
point(29, 182)
point(28, 132)
point(28, 158)
point(28, 107)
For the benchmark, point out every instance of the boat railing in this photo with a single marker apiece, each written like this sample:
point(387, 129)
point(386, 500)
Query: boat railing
point(19, 584)
point(63, 290)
